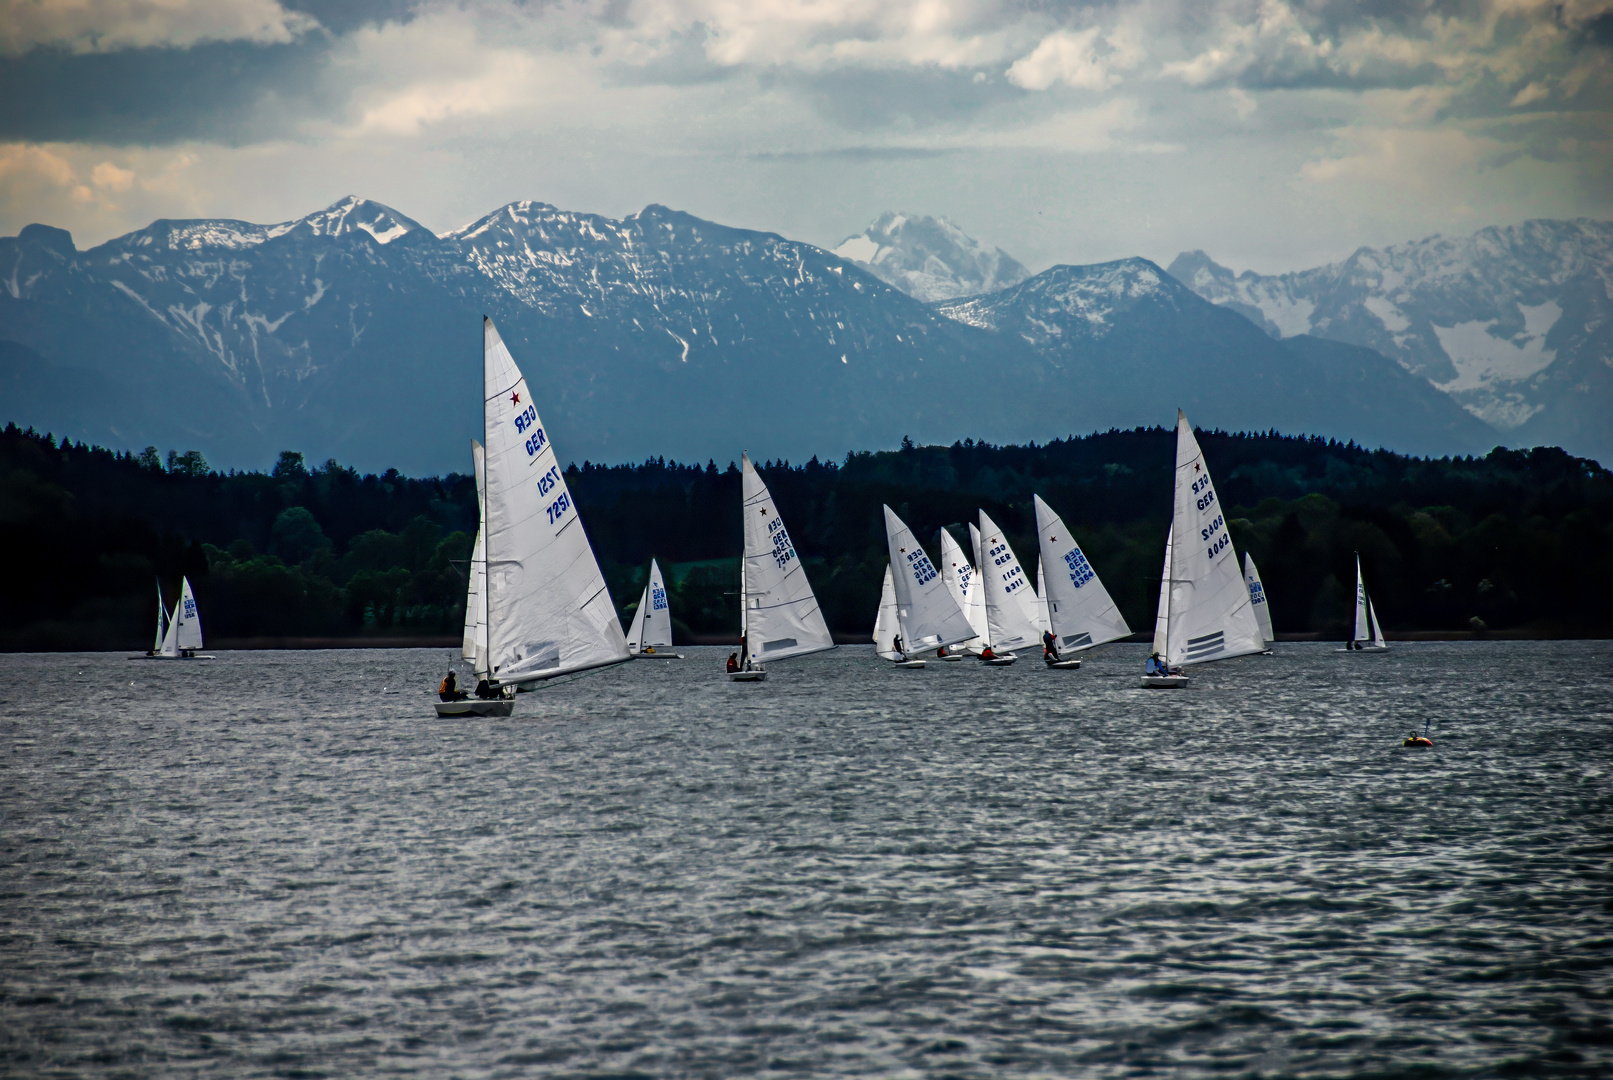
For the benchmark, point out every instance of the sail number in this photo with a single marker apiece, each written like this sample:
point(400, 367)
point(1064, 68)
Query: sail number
point(549, 480)
point(558, 508)
point(1220, 545)
point(1206, 499)
point(658, 598)
point(1080, 571)
point(783, 550)
point(1257, 594)
point(922, 569)
point(1205, 534)
point(525, 419)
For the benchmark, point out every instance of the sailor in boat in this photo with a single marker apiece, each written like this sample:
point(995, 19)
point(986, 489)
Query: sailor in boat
point(987, 654)
point(733, 662)
point(896, 644)
point(1156, 666)
point(1050, 647)
point(941, 652)
point(448, 689)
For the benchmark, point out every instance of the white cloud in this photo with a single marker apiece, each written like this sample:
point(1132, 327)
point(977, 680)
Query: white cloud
point(1064, 56)
point(86, 26)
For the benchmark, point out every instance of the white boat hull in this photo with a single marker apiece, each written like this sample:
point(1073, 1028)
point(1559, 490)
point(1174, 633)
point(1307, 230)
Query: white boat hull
point(159, 656)
point(476, 707)
point(1163, 682)
point(657, 656)
point(1370, 650)
point(951, 658)
point(756, 675)
point(1065, 665)
point(999, 661)
point(907, 663)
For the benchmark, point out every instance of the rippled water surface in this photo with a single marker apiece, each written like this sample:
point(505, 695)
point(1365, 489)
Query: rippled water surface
point(282, 864)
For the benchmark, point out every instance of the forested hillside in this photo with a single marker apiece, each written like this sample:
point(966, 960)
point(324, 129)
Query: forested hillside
point(1512, 539)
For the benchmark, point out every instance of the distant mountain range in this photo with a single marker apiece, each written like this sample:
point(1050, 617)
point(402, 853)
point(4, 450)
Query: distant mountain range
point(1515, 323)
point(354, 333)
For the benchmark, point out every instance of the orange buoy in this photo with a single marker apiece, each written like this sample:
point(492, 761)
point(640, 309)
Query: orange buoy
point(1417, 740)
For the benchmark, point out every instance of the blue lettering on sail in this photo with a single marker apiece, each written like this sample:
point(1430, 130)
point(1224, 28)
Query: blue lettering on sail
point(658, 598)
point(1080, 571)
point(922, 569)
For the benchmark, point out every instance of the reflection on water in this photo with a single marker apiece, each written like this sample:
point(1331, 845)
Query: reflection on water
point(282, 864)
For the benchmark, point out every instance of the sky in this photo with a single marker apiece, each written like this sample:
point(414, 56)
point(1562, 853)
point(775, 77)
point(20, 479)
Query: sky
point(1274, 135)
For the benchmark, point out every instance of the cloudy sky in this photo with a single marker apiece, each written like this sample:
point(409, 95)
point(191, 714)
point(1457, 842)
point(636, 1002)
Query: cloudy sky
point(1273, 134)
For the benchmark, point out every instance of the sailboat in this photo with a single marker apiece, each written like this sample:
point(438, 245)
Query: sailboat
point(927, 617)
point(779, 616)
point(976, 608)
point(548, 612)
point(183, 635)
point(962, 581)
point(162, 622)
point(650, 637)
point(1368, 636)
point(1080, 612)
point(888, 627)
point(1204, 611)
point(473, 646)
point(1257, 600)
point(1010, 600)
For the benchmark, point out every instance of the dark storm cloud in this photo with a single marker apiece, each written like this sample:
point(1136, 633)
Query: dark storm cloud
point(227, 92)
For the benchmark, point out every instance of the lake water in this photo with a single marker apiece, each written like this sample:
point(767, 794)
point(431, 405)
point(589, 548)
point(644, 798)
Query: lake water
point(282, 864)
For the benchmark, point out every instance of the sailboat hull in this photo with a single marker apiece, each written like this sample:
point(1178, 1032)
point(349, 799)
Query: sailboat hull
point(1366, 650)
point(999, 661)
point(907, 663)
point(951, 658)
point(747, 676)
point(1065, 665)
point(1163, 682)
point(475, 707)
point(159, 656)
point(657, 656)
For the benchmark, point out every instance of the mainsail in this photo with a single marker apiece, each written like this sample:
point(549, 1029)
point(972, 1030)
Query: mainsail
point(962, 582)
point(186, 629)
point(1257, 597)
point(162, 620)
point(926, 613)
point(886, 625)
point(781, 616)
point(549, 612)
point(1010, 600)
point(1080, 612)
point(474, 645)
point(652, 622)
point(1162, 616)
point(1042, 623)
point(1210, 617)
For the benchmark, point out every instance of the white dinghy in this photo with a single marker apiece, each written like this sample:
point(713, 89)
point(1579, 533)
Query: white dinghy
point(962, 581)
point(927, 618)
point(779, 616)
point(1368, 636)
point(1010, 601)
point(1204, 612)
point(887, 627)
point(650, 637)
point(1257, 601)
point(1080, 612)
point(548, 612)
point(183, 637)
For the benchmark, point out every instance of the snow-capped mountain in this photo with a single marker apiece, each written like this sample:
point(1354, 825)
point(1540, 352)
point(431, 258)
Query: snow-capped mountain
point(1515, 323)
point(930, 258)
point(355, 333)
point(1132, 338)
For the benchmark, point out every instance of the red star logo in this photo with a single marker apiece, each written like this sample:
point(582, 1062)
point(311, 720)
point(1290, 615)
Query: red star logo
point(515, 399)
point(1196, 466)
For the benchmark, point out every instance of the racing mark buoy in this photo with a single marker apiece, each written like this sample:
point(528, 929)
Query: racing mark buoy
point(1417, 740)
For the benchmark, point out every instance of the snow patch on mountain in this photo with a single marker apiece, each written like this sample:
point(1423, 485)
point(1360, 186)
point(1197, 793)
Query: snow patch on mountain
point(930, 258)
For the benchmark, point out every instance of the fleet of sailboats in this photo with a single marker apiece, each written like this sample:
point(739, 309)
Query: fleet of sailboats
point(927, 617)
point(179, 632)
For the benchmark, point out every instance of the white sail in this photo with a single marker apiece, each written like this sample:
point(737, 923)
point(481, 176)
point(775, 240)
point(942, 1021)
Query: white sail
point(781, 613)
point(886, 625)
point(1210, 616)
point(1162, 615)
point(926, 614)
point(549, 612)
point(170, 638)
point(962, 583)
point(1010, 600)
point(1257, 597)
point(473, 647)
point(976, 611)
point(1377, 631)
point(162, 619)
point(652, 622)
point(187, 623)
point(1080, 612)
point(1363, 630)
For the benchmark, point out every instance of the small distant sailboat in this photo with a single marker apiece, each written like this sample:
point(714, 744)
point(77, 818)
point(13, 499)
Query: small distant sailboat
point(1010, 601)
point(962, 581)
point(888, 627)
point(1204, 611)
point(183, 635)
point(650, 637)
point(779, 616)
point(1080, 612)
point(546, 609)
point(1257, 600)
point(1368, 636)
point(927, 617)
